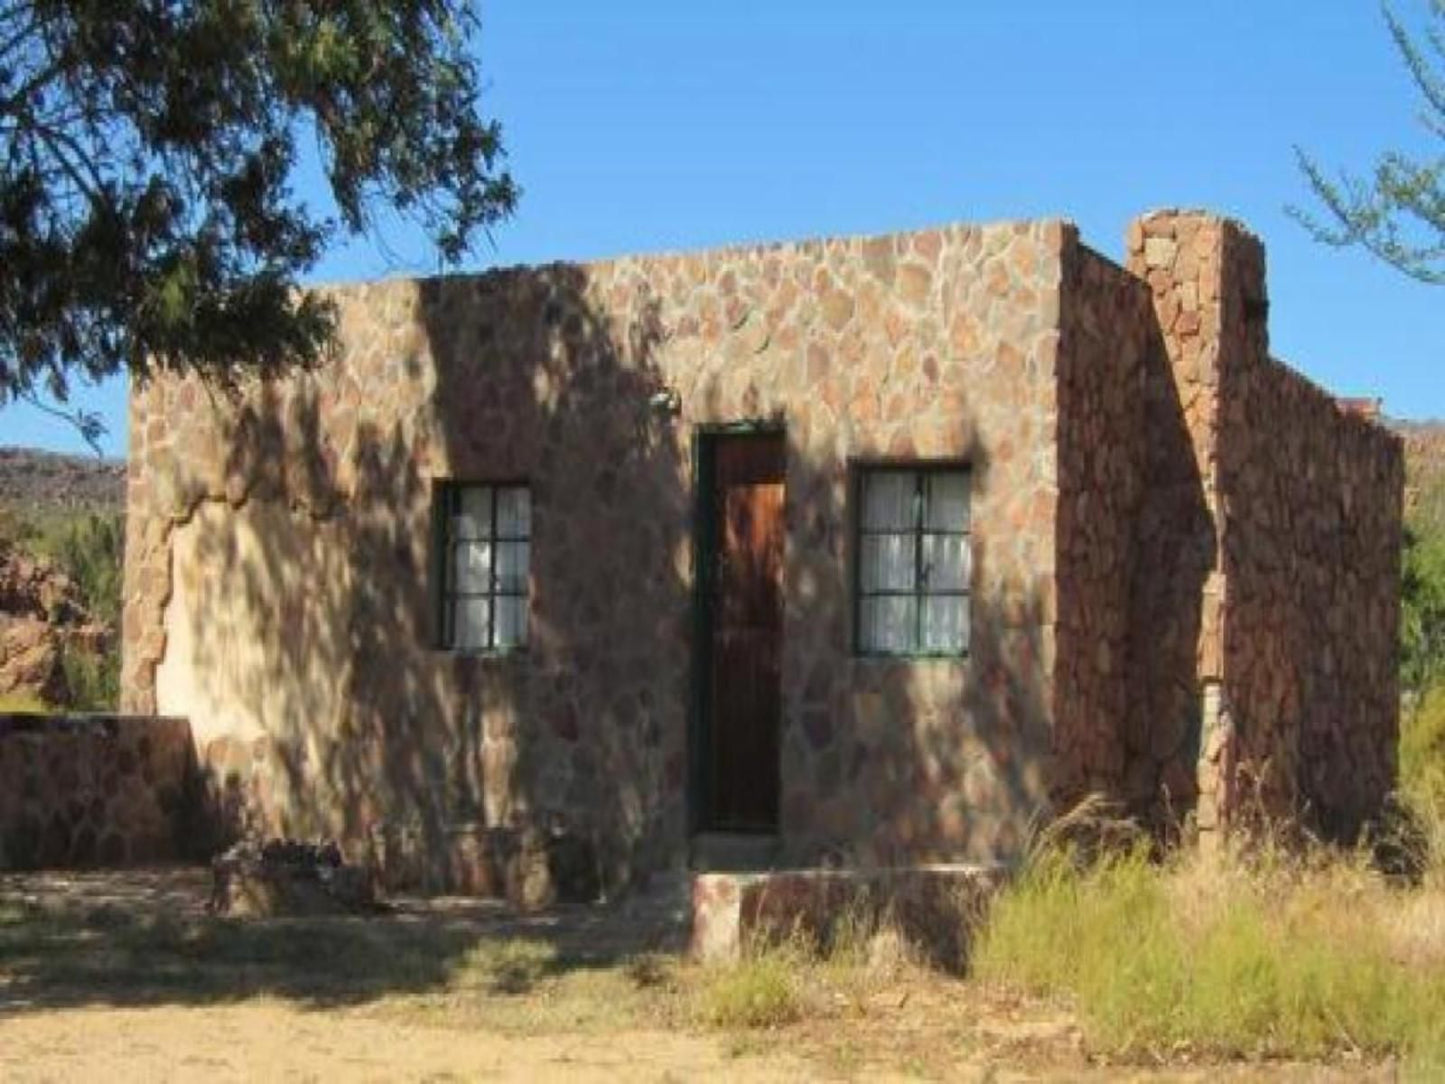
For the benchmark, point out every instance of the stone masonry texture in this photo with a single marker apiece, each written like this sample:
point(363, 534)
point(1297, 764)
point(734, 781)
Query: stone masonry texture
point(90, 790)
point(1183, 555)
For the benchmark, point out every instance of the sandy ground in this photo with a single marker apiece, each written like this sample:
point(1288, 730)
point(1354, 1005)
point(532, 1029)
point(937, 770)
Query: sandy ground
point(275, 1041)
point(271, 1041)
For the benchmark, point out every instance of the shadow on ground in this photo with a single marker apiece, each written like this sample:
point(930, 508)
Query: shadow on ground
point(141, 938)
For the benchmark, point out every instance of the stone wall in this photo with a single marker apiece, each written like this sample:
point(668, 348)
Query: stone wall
point(1116, 425)
point(1176, 598)
point(277, 556)
point(1312, 567)
point(1106, 337)
point(96, 790)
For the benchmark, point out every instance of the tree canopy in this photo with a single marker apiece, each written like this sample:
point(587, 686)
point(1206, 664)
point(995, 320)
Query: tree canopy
point(148, 152)
point(1398, 212)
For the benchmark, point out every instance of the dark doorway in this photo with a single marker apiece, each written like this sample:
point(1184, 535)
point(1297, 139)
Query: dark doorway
point(740, 582)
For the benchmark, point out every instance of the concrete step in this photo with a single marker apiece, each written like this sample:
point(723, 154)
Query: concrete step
point(734, 852)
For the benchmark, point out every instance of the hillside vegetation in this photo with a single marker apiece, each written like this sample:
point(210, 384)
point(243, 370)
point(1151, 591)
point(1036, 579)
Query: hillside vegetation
point(62, 537)
point(1422, 632)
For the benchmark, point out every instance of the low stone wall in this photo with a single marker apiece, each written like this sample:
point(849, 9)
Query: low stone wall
point(931, 907)
point(88, 790)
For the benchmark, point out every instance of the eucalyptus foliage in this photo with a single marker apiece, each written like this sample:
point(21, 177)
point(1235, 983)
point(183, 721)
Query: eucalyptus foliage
point(149, 151)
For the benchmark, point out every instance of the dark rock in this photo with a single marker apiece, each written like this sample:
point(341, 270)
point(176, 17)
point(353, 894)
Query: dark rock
point(289, 877)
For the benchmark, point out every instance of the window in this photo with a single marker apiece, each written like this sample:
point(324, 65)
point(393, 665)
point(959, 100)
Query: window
point(485, 536)
point(913, 561)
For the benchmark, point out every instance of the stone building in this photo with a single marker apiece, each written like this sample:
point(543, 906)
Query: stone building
point(868, 549)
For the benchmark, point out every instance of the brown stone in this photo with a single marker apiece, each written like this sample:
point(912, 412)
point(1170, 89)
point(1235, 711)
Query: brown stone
point(914, 282)
point(878, 258)
point(837, 309)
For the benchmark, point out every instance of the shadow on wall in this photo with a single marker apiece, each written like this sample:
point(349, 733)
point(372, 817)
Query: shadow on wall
point(1175, 551)
point(310, 600)
point(889, 762)
point(301, 627)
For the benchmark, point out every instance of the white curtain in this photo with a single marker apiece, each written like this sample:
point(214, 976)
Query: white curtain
point(473, 517)
point(901, 551)
point(481, 568)
point(888, 562)
point(514, 512)
point(947, 501)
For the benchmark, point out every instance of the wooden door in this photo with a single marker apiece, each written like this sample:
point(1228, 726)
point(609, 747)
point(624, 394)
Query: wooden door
point(744, 694)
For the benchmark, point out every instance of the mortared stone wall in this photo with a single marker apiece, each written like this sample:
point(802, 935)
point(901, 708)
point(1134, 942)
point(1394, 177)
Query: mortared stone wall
point(279, 577)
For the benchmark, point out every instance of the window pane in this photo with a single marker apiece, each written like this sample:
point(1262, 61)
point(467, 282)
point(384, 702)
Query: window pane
point(887, 623)
point(511, 621)
point(886, 562)
point(512, 566)
point(514, 512)
point(473, 518)
point(948, 501)
point(471, 567)
point(471, 617)
point(945, 562)
point(888, 500)
point(945, 623)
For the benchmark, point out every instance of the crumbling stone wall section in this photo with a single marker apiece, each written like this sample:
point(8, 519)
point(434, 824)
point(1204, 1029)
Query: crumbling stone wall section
point(277, 565)
point(96, 790)
point(1106, 336)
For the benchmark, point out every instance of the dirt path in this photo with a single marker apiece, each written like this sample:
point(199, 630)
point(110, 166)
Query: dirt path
point(275, 1041)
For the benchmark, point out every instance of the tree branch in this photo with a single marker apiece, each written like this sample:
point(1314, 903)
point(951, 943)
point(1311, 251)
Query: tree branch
point(87, 423)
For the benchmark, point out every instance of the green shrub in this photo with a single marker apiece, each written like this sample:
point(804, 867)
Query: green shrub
point(92, 682)
point(1422, 748)
point(90, 549)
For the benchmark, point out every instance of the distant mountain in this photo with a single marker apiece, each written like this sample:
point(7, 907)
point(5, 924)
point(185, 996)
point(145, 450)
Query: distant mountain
point(35, 481)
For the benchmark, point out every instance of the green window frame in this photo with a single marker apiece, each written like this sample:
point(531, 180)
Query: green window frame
point(483, 534)
point(912, 560)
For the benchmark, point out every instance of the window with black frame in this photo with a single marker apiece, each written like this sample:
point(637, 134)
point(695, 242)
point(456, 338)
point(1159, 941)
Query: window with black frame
point(485, 556)
point(913, 561)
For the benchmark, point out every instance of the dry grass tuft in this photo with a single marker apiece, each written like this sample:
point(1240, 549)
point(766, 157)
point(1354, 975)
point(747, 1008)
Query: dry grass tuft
point(763, 989)
point(1249, 953)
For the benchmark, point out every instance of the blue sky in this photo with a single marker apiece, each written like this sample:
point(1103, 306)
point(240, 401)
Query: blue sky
point(639, 126)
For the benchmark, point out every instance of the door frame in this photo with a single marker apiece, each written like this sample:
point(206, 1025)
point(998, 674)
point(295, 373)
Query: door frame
point(704, 548)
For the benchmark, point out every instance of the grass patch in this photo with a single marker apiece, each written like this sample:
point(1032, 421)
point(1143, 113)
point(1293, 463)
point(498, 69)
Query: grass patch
point(761, 990)
point(1422, 752)
point(1224, 956)
point(807, 974)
